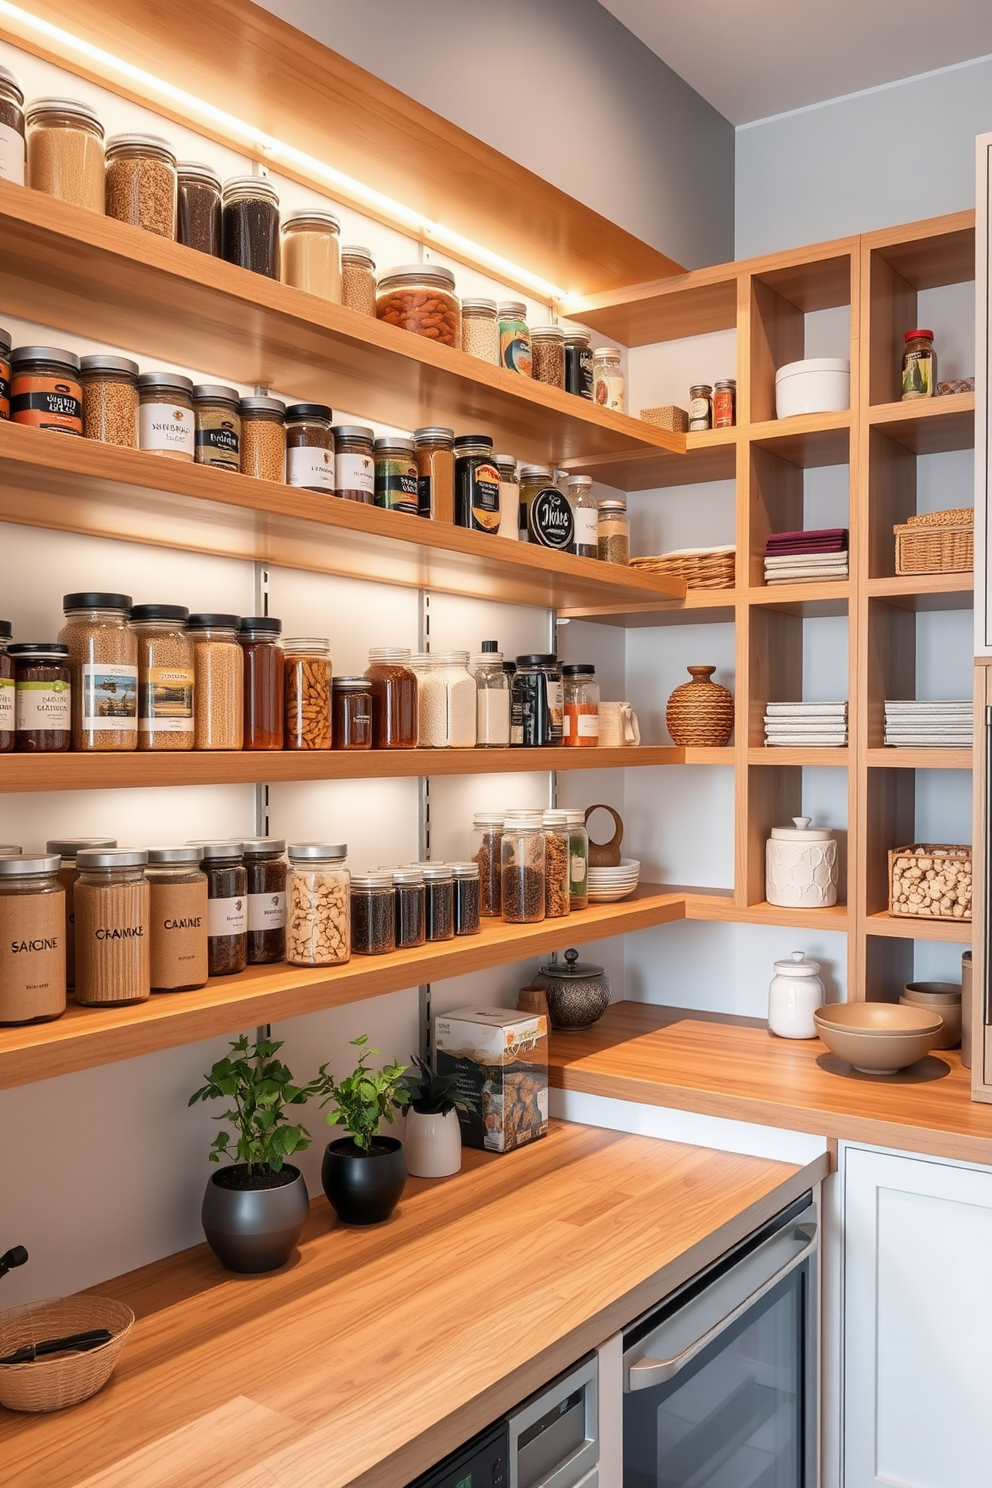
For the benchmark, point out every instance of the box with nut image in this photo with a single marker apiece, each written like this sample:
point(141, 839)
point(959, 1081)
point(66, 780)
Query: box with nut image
point(500, 1060)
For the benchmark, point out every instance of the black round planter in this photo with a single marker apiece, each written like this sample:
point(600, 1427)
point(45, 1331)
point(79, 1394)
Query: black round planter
point(255, 1229)
point(363, 1188)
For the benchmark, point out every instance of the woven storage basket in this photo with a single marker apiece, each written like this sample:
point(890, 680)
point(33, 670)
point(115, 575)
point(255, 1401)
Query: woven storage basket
point(700, 713)
point(936, 542)
point(66, 1379)
point(702, 568)
point(930, 881)
point(669, 416)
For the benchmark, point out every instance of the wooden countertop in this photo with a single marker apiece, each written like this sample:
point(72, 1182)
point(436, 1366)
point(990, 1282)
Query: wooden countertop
point(734, 1067)
point(379, 1351)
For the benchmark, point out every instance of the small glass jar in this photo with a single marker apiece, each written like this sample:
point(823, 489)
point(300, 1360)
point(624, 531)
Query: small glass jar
point(65, 151)
point(8, 709)
point(465, 882)
point(725, 404)
point(480, 330)
point(308, 693)
point(434, 453)
point(112, 903)
point(351, 709)
point(421, 298)
point(177, 919)
point(141, 182)
point(166, 677)
point(492, 698)
point(373, 914)
point(218, 663)
point(354, 465)
point(509, 497)
point(446, 702)
point(227, 906)
point(45, 391)
point(198, 216)
point(358, 279)
point(578, 365)
point(919, 365)
point(67, 848)
point(487, 839)
point(580, 693)
point(410, 899)
point(250, 225)
point(264, 681)
point(578, 864)
point(536, 707)
point(439, 897)
point(263, 438)
point(585, 516)
point(4, 374)
point(396, 475)
point(533, 479)
point(607, 376)
point(266, 870)
point(310, 258)
point(110, 399)
point(13, 147)
point(166, 422)
point(42, 697)
point(547, 344)
point(522, 858)
point(700, 407)
point(514, 337)
point(613, 532)
point(476, 484)
point(557, 897)
point(394, 698)
point(310, 447)
point(32, 940)
point(103, 659)
point(318, 917)
point(217, 415)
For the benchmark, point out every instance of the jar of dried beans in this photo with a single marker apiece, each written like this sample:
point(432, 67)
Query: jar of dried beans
point(354, 465)
point(13, 150)
point(487, 839)
point(217, 411)
point(557, 896)
point(514, 337)
point(396, 475)
point(263, 438)
point(42, 697)
point(310, 447)
point(373, 918)
point(311, 253)
point(227, 906)
point(411, 907)
point(547, 344)
point(465, 882)
point(421, 298)
point(308, 693)
point(439, 898)
point(351, 707)
point(250, 225)
point(110, 399)
point(522, 856)
point(67, 849)
point(65, 151)
point(112, 903)
point(8, 710)
point(198, 207)
point(264, 681)
point(45, 390)
point(480, 330)
point(267, 870)
point(141, 182)
point(166, 677)
point(219, 681)
point(580, 693)
point(103, 660)
point(166, 423)
point(318, 918)
point(177, 919)
point(394, 698)
point(434, 453)
point(358, 279)
point(32, 940)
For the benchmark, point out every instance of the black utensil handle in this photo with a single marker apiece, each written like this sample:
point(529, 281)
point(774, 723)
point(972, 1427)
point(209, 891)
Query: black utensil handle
point(76, 1342)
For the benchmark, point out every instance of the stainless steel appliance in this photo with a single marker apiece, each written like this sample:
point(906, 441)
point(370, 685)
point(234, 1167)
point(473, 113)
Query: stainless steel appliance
point(554, 1436)
point(480, 1463)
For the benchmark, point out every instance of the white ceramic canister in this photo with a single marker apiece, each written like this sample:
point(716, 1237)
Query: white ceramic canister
point(815, 385)
point(432, 1143)
point(793, 997)
point(801, 866)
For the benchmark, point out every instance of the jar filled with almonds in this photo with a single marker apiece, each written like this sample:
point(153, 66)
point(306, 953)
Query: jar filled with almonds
point(308, 693)
point(421, 298)
point(318, 910)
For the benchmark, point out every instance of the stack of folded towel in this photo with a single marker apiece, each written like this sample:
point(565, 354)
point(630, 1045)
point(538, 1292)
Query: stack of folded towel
point(929, 725)
point(806, 725)
point(791, 557)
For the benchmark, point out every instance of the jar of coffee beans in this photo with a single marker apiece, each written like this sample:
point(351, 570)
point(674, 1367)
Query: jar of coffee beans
point(250, 225)
point(439, 898)
point(227, 906)
point(198, 207)
point(267, 871)
point(465, 882)
point(373, 920)
point(522, 858)
point(411, 906)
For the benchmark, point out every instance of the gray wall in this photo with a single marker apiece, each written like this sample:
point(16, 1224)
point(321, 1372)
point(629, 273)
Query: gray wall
point(637, 143)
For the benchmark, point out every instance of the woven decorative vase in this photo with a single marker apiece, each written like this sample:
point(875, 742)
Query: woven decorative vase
point(700, 713)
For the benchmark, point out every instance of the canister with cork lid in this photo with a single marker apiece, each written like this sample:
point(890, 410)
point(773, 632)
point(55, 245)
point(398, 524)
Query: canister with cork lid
point(32, 940)
point(67, 848)
point(112, 898)
point(177, 894)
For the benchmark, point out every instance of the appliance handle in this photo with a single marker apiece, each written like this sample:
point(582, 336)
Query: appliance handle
point(987, 865)
point(648, 1372)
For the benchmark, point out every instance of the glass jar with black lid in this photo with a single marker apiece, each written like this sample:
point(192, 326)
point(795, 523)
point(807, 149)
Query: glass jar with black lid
point(42, 697)
point(536, 708)
point(310, 447)
point(476, 484)
point(227, 906)
point(578, 365)
point(13, 150)
point(266, 870)
point(351, 711)
point(250, 225)
point(217, 411)
point(396, 475)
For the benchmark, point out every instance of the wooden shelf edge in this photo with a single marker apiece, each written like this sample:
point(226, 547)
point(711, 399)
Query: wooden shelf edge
point(889, 758)
point(704, 908)
point(773, 754)
point(954, 932)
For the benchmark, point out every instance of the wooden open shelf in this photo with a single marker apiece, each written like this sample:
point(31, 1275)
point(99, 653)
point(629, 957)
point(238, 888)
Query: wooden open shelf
point(940, 591)
point(928, 426)
point(763, 913)
point(904, 927)
point(889, 758)
point(806, 439)
point(775, 754)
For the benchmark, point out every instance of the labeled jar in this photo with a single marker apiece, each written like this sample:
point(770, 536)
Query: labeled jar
point(351, 713)
point(421, 298)
point(557, 894)
point(263, 438)
point(141, 182)
point(13, 145)
point(578, 365)
point(112, 902)
point(67, 848)
point(487, 838)
point(166, 422)
point(522, 858)
point(65, 151)
point(492, 698)
point(198, 221)
point(166, 677)
point(45, 391)
point(547, 346)
point(250, 225)
point(267, 870)
point(218, 664)
point(514, 337)
point(533, 479)
point(446, 701)
point(354, 466)
point(607, 377)
point(177, 919)
point(585, 516)
point(476, 484)
point(700, 407)
point(396, 475)
point(42, 697)
point(358, 279)
point(373, 914)
point(4, 374)
point(480, 330)
point(439, 898)
point(308, 693)
point(613, 532)
point(103, 662)
point(465, 883)
point(8, 708)
point(536, 705)
point(410, 899)
point(311, 253)
point(434, 453)
point(263, 682)
point(110, 399)
point(550, 522)
point(32, 940)
point(578, 862)
point(509, 497)
point(227, 906)
point(310, 447)
point(580, 694)
point(217, 426)
point(394, 698)
point(919, 365)
point(725, 404)
point(318, 919)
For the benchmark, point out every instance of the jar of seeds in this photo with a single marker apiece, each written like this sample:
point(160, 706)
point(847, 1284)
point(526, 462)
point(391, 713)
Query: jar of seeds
point(311, 253)
point(578, 866)
point(514, 337)
point(112, 904)
point(439, 900)
point(66, 848)
point(103, 660)
point(410, 897)
point(547, 344)
point(8, 709)
point(480, 330)
point(177, 919)
point(557, 894)
point(613, 532)
point(394, 698)
point(434, 453)
point(465, 882)
point(263, 438)
point(13, 150)
point(373, 916)
point(219, 681)
point(42, 697)
point(227, 906)
point(141, 182)
point(198, 207)
point(318, 923)
point(166, 423)
point(351, 713)
point(166, 677)
point(267, 871)
point(308, 693)
point(264, 681)
point(358, 279)
point(110, 399)
point(354, 465)
point(250, 225)
point(310, 447)
point(32, 943)
point(522, 858)
point(65, 151)
point(487, 839)
point(217, 412)
point(396, 475)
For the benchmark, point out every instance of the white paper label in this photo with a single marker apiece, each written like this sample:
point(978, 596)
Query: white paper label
point(43, 705)
point(110, 696)
point(266, 911)
point(6, 702)
point(577, 869)
point(587, 725)
point(227, 916)
point(11, 155)
point(354, 473)
point(310, 467)
point(586, 527)
point(163, 426)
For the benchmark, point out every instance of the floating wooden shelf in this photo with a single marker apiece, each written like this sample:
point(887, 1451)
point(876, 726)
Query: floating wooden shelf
point(928, 426)
point(940, 591)
point(807, 439)
point(708, 456)
point(669, 309)
point(719, 908)
point(772, 754)
point(807, 600)
point(903, 927)
point(919, 759)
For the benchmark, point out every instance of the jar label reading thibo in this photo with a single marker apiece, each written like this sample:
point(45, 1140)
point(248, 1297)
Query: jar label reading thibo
point(11, 155)
point(110, 696)
point(396, 486)
point(43, 705)
point(227, 916)
point(484, 498)
point(221, 446)
point(6, 702)
point(163, 426)
point(551, 523)
point(266, 911)
point(354, 473)
point(309, 465)
point(586, 527)
point(166, 700)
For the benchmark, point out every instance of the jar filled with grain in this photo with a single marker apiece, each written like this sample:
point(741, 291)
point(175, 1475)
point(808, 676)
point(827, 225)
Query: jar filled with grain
point(166, 677)
point(8, 710)
point(351, 713)
point(264, 681)
point(557, 895)
point(514, 337)
point(480, 330)
point(311, 253)
point(177, 919)
point(522, 858)
point(439, 901)
point(578, 864)
point(446, 701)
point(250, 225)
point(434, 454)
point(4, 373)
point(421, 298)
point(608, 379)
point(613, 532)
point(358, 279)
point(217, 414)
point(487, 841)
point(42, 697)
point(394, 698)
point(227, 906)
point(578, 365)
point(32, 940)
point(585, 516)
point(267, 869)
point(263, 438)
point(308, 693)
point(410, 898)
point(110, 399)
point(465, 883)
point(141, 182)
point(310, 447)
point(13, 148)
point(67, 848)
point(396, 475)
point(373, 915)
point(318, 918)
point(547, 345)
point(166, 422)
point(65, 151)
point(354, 464)
point(509, 497)
point(112, 903)
point(218, 664)
point(198, 207)
point(103, 661)
point(45, 391)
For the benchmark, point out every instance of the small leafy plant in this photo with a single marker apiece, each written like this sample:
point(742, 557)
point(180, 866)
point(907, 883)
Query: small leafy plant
point(363, 1099)
point(431, 1094)
point(260, 1087)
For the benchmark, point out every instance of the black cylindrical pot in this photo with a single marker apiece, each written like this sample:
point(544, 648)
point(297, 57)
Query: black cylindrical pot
point(363, 1188)
point(255, 1229)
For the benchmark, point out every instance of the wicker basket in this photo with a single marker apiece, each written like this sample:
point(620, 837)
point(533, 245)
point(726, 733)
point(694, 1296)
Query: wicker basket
point(701, 568)
point(64, 1379)
point(670, 416)
point(936, 542)
point(930, 881)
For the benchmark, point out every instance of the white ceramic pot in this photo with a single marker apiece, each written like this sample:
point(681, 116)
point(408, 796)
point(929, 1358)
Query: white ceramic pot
point(433, 1144)
point(816, 385)
point(801, 866)
point(794, 995)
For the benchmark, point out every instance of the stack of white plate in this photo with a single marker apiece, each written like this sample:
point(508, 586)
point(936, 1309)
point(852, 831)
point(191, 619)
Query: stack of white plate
point(607, 885)
point(925, 724)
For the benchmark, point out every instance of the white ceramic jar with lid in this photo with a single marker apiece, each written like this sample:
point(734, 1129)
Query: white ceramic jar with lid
point(794, 995)
point(801, 866)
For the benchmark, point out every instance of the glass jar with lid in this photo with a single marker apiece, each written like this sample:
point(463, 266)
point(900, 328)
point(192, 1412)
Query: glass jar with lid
point(492, 698)
point(522, 877)
point(177, 919)
point(166, 423)
point(607, 376)
point(354, 464)
point(580, 693)
point(613, 529)
point(585, 516)
point(487, 838)
point(110, 399)
point(310, 447)
point(4, 373)
point(103, 662)
point(8, 710)
point(250, 225)
point(166, 677)
point(218, 663)
point(421, 298)
point(394, 698)
point(45, 391)
point(476, 484)
point(434, 453)
point(112, 902)
point(578, 867)
point(447, 702)
point(32, 940)
point(536, 709)
point(311, 253)
point(263, 438)
point(198, 219)
point(65, 151)
point(351, 699)
point(217, 414)
point(547, 345)
point(227, 906)
point(480, 330)
point(410, 898)
point(358, 279)
point(266, 870)
point(42, 697)
point(514, 337)
point(264, 681)
point(578, 365)
point(465, 883)
point(725, 403)
point(509, 497)
point(13, 148)
point(919, 365)
point(557, 897)
point(308, 693)
point(396, 475)
point(318, 916)
point(439, 895)
point(700, 406)
point(373, 913)
point(141, 182)
point(67, 848)
point(533, 479)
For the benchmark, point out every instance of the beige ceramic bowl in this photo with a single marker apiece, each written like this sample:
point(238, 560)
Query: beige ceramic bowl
point(878, 1038)
point(943, 998)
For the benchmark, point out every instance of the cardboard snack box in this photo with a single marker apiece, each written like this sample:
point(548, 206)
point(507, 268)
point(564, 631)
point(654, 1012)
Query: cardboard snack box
point(500, 1059)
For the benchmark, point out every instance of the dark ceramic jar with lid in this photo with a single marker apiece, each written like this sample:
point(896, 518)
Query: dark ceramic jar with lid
point(578, 992)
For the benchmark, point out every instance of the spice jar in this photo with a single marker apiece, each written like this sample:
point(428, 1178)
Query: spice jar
point(607, 377)
point(396, 475)
point(42, 697)
point(351, 713)
point(308, 693)
point(103, 662)
point(536, 708)
point(198, 207)
point(166, 424)
point(580, 694)
point(67, 848)
point(487, 838)
point(614, 532)
point(318, 925)
point(439, 896)
point(480, 330)
point(533, 479)
point(310, 447)
point(421, 298)
point(113, 963)
point(394, 698)
point(547, 345)
point(476, 484)
point(263, 682)
point(141, 182)
point(4, 374)
point(725, 404)
point(8, 709)
point(585, 516)
point(45, 391)
point(434, 453)
point(465, 883)
point(700, 407)
point(373, 914)
point(578, 365)
point(310, 258)
point(522, 858)
point(250, 225)
point(354, 467)
point(217, 416)
point(514, 337)
point(166, 677)
point(13, 147)
point(65, 151)
point(492, 727)
point(263, 438)
point(218, 664)
point(227, 906)
point(410, 898)
point(32, 940)
point(446, 701)
point(358, 279)
point(110, 399)
point(267, 870)
point(557, 891)
point(919, 365)
point(177, 919)
point(509, 497)
point(578, 859)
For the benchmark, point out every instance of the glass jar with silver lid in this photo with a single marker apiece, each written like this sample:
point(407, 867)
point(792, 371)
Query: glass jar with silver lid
point(166, 422)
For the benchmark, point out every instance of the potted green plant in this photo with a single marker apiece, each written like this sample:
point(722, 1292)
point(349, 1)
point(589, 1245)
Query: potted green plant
point(254, 1210)
point(363, 1173)
point(432, 1139)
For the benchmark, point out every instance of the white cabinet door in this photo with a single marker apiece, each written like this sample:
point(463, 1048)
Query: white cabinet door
point(917, 1322)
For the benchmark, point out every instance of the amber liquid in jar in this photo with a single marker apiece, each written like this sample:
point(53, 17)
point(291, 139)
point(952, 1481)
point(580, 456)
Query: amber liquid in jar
point(264, 682)
point(394, 699)
point(351, 707)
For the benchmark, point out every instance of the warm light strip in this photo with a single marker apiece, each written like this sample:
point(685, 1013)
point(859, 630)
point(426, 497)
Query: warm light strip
point(275, 152)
